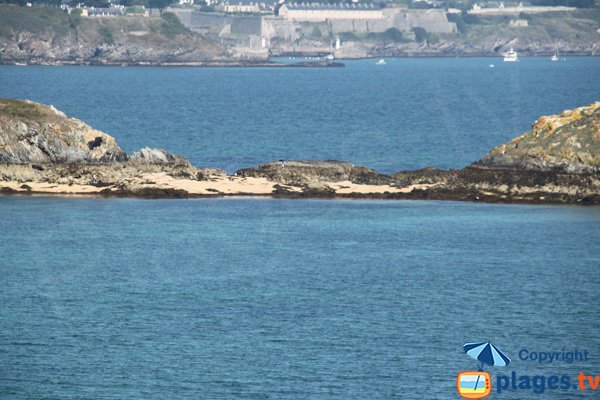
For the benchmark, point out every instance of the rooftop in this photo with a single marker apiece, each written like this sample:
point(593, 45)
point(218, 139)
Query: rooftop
point(328, 6)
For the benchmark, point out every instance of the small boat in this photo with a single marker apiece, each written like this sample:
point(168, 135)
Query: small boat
point(380, 62)
point(555, 56)
point(18, 64)
point(511, 56)
point(329, 57)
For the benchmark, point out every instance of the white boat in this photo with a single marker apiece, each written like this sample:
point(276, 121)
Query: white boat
point(555, 56)
point(18, 64)
point(380, 62)
point(511, 56)
point(329, 57)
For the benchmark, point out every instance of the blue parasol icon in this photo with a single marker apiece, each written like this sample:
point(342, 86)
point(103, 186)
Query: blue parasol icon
point(486, 353)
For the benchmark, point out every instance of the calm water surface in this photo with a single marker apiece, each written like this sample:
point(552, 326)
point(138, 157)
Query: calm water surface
point(407, 114)
point(286, 299)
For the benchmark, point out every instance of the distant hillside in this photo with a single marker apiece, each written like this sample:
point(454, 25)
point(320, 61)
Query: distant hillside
point(48, 35)
point(574, 32)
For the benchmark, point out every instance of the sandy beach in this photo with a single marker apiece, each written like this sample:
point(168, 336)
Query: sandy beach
point(146, 184)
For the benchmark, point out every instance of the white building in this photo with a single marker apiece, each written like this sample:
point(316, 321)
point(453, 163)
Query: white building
point(239, 7)
point(322, 12)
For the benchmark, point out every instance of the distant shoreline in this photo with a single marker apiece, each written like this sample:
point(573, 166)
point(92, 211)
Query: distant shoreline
point(302, 62)
point(192, 64)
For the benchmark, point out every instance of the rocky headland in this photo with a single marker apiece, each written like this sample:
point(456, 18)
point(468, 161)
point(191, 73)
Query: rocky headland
point(42, 151)
point(49, 36)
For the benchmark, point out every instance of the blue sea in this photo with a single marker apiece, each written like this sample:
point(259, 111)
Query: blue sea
point(298, 299)
point(408, 114)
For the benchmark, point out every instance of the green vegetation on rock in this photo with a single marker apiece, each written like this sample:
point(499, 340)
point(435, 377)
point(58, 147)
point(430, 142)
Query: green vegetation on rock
point(36, 20)
point(569, 141)
point(172, 26)
point(34, 34)
point(391, 35)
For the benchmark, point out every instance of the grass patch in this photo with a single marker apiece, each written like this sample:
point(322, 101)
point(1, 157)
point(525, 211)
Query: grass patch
point(106, 34)
point(461, 25)
point(471, 19)
point(36, 20)
point(391, 35)
point(172, 26)
point(20, 109)
point(134, 10)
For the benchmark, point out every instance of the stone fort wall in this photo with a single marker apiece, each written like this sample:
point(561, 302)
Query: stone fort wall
point(434, 21)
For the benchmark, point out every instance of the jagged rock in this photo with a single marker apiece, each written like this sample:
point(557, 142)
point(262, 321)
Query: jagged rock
point(569, 142)
point(367, 176)
point(156, 156)
point(422, 176)
point(36, 133)
point(292, 172)
point(38, 143)
point(301, 172)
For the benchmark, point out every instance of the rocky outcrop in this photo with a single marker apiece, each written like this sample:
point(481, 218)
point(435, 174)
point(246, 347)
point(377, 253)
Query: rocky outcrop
point(34, 133)
point(156, 156)
point(38, 143)
point(47, 35)
point(42, 150)
point(422, 176)
point(566, 143)
point(302, 172)
point(557, 161)
point(293, 172)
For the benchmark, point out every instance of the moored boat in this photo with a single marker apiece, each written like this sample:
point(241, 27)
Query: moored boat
point(511, 56)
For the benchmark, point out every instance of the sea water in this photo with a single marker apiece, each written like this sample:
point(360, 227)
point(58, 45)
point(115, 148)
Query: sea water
point(288, 299)
point(247, 298)
point(407, 114)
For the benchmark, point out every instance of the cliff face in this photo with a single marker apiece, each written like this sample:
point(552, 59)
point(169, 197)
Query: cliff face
point(569, 142)
point(48, 35)
point(34, 133)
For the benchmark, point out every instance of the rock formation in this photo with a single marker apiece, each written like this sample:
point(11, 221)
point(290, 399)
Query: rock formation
point(42, 150)
point(47, 35)
point(569, 142)
point(32, 133)
point(38, 143)
point(156, 156)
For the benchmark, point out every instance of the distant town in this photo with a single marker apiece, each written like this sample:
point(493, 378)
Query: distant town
point(255, 26)
point(176, 31)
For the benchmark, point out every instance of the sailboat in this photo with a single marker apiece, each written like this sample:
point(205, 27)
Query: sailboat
point(555, 55)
